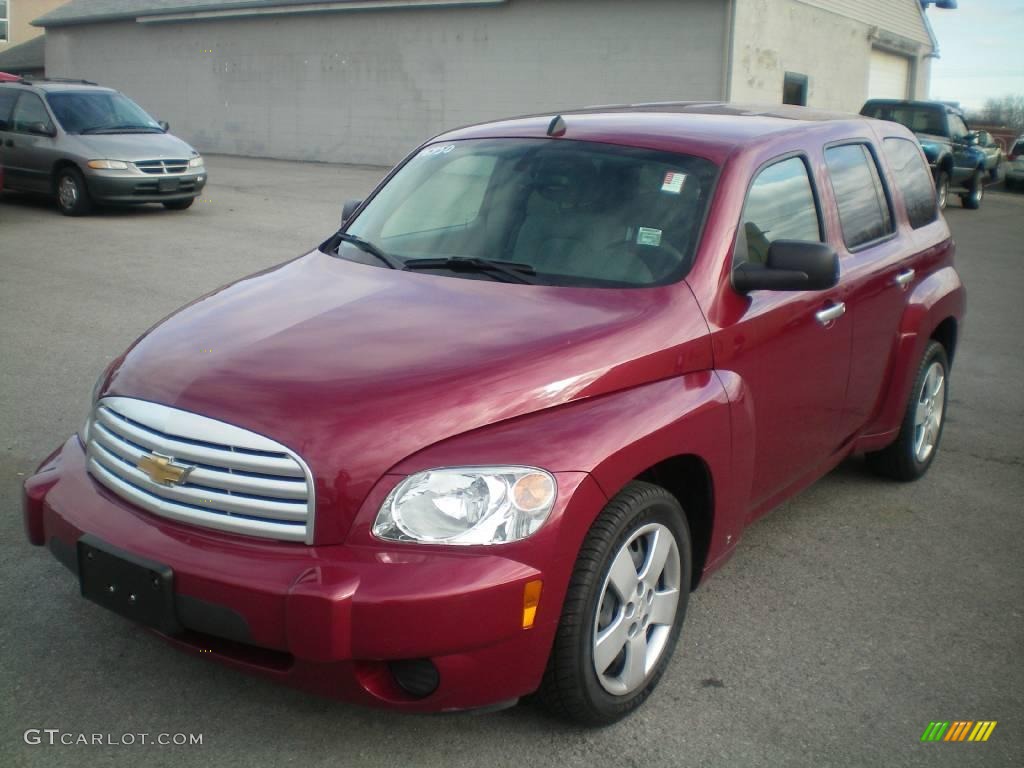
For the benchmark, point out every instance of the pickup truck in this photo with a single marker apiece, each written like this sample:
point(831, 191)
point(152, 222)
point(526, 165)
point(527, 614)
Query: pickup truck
point(484, 440)
point(958, 164)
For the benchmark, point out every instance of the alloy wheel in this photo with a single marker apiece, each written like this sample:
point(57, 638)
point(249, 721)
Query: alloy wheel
point(931, 403)
point(637, 609)
point(67, 192)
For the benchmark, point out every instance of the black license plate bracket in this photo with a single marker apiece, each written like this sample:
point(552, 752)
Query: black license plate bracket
point(129, 585)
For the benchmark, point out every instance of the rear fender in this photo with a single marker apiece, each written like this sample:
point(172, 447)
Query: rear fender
point(939, 296)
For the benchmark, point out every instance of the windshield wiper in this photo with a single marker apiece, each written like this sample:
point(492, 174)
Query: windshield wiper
point(513, 270)
point(368, 247)
point(117, 128)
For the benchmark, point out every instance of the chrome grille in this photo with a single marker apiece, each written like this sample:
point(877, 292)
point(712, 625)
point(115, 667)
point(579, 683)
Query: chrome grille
point(238, 481)
point(162, 166)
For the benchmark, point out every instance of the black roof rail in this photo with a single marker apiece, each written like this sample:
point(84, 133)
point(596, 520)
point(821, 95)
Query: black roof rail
point(30, 80)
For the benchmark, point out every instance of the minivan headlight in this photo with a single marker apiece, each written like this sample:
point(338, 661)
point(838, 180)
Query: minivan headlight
point(108, 165)
point(196, 162)
point(467, 505)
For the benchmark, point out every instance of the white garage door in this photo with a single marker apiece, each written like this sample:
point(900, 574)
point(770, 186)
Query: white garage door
point(889, 76)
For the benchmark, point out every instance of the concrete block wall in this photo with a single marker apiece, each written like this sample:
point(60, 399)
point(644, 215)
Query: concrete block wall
point(773, 37)
point(367, 87)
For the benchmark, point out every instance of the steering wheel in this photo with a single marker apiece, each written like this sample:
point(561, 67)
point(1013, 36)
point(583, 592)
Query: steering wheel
point(648, 255)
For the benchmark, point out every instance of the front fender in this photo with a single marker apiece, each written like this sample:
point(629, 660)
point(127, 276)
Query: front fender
point(611, 438)
point(939, 296)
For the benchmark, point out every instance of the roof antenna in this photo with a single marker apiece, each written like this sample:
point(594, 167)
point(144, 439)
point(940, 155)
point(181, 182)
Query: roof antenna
point(557, 126)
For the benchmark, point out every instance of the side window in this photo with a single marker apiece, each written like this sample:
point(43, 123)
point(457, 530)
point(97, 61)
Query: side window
point(863, 206)
point(915, 182)
point(780, 206)
point(450, 197)
point(29, 111)
point(7, 98)
point(957, 127)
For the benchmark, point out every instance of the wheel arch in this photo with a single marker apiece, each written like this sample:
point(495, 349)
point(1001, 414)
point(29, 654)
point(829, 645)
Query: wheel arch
point(946, 334)
point(57, 167)
point(688, 478)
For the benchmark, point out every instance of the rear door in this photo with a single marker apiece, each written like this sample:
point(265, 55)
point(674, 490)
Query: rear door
point(877, 265)
point(8, 96)
point(33, 135)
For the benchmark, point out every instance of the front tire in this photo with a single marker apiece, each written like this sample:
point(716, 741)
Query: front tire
point(72, 193)
point(914, 450)
point(623, 611)
point(975, 193)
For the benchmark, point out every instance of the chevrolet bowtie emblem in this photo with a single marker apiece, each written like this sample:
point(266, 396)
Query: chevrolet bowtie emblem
point(163, 470)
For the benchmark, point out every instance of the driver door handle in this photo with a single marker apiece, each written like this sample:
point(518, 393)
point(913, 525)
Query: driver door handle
point(904, 277)
point(827, 315)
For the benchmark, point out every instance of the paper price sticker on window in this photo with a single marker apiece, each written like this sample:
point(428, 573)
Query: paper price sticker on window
point(673, 183)
point(648, 236)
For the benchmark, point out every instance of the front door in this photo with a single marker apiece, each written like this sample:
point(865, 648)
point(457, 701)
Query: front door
point(790, 348)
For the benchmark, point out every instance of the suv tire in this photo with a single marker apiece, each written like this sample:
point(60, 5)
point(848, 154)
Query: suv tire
point(975, 191)
point(942, 189)
point(640, 545)
point(909, 457)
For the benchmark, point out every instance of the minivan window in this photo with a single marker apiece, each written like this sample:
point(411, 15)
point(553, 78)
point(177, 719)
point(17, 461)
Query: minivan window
point(780, 206)
point(28, 113)
point(100, 112)
point(576, 213)
point(915, 182)
point(7, 98)
point(863, 207)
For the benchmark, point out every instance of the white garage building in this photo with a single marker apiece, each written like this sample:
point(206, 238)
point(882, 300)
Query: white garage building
point(366, 80)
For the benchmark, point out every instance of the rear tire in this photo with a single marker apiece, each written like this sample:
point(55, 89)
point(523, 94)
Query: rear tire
point(942, 189)
point(72, 193)
point(909, 457)
point(179, 205)
point(976, 191)
point(623, 610)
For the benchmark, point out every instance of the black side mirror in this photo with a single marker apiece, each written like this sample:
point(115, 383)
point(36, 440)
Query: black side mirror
point(42, 129)
point(348, 209)
point(164, 125)
point(791, 265)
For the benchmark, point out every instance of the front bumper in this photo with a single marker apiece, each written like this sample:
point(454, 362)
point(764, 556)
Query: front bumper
point(129, 187)
point(328, 619)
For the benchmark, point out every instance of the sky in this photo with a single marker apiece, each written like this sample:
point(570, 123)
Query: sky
point(981, 47)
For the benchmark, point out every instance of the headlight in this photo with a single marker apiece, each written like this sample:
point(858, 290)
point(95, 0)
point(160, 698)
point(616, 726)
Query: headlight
point(196, 162)
point(108, 165)
point(467, 505)
point(83, 433)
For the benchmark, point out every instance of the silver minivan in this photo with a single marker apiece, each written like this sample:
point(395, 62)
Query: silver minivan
point(85, 144)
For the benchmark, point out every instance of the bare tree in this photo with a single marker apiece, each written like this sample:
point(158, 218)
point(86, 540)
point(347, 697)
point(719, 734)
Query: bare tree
point(1007, 111)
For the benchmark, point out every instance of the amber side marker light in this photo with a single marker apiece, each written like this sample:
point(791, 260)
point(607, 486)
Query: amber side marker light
point(531, 597)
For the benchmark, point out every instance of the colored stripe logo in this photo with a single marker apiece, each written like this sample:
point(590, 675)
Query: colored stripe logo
point(959, 730)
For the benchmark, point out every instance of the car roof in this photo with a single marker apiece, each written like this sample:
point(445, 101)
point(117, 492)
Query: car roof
point(52, 86)
point(916, 103)
point(711, 129)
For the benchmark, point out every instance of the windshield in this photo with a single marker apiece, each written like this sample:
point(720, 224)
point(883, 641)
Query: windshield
point(100, 112)
point(919, 119)
point(566, 212)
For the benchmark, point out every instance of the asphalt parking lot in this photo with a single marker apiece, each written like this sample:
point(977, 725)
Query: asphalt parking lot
point(848, 619)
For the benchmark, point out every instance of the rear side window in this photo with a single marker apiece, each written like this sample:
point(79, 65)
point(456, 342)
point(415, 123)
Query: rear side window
point(7, 98)
point(780, 206)
point(912, 177)
point(863, 206)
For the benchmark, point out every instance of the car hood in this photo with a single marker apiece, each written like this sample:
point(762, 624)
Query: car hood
point(357, 367)
point(129, 146)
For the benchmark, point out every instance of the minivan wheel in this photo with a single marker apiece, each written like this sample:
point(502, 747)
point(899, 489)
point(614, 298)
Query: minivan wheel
point(975, 192)
point(942, 189)
point(914, 450)
point(624, 609)
point(72, 193)
point(179, 205)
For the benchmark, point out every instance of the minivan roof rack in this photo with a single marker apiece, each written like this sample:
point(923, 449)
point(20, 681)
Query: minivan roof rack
point(30, 80)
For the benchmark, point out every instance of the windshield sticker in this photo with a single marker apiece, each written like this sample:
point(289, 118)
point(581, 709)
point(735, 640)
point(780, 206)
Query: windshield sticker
point(648, 236)
point(438, 149)
point(673, 182)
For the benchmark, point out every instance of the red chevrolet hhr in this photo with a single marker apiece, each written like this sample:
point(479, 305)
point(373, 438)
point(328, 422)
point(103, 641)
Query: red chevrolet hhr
point(483, 441)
